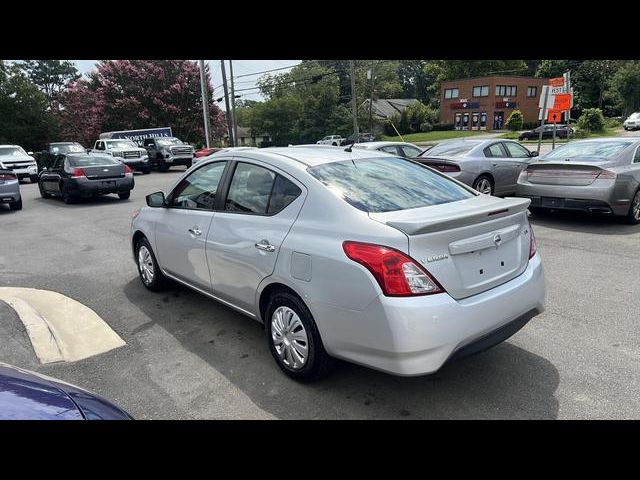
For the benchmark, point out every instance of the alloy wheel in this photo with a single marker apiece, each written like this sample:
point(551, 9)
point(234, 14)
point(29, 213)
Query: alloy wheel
point(484, 186)
point(635, 206)
point(145, 263)
point(289, 338)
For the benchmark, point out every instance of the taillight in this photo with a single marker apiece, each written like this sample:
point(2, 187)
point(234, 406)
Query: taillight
point(8, 176)
point(127, 169)
point(397, 274)
point(607, 175)
point(77, 173)
point(533, 247)
point(444, 167)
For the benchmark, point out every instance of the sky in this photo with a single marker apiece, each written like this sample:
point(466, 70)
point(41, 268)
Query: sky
point(240, 68)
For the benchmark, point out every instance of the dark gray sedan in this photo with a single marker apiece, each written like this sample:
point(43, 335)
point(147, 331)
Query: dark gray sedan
point(489, 166)
point(599, 176)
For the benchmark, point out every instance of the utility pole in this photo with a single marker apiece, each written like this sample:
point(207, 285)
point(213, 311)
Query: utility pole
point(233, 106)
point(354, 104)
point(373, 77)
point(205, 102)
point(226, 103)
point(567, 82)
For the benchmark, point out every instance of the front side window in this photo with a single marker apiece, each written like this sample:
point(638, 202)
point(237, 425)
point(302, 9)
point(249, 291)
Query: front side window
point(199, 189)
point(409, 151)
point(387, 184)
point(451, 93)
point(516, 151)
point(636, 157)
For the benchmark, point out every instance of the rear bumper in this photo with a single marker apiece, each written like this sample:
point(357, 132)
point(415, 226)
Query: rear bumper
point(417, 335)
point(84, 186)
point(602, 197)
point(9, 191)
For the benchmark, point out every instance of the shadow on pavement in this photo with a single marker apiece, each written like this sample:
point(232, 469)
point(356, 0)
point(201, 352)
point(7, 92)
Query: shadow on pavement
point(505, 382)
point(584, 222)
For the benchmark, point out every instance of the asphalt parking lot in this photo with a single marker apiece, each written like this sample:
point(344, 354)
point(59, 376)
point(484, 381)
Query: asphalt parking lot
point(189, 357)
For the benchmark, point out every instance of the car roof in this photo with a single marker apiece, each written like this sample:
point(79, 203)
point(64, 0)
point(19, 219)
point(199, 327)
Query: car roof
point(305, 156)
point(373, 145)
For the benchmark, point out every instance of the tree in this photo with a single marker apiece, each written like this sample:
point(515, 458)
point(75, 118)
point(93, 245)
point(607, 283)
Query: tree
point(24, 119)
point(591, 120)
point(278, 116)
point(515, 120)
point(133, 94)
point(598, 74)
point(51, 76)
point(626, 83)
point(551, 68)
point(82, 117)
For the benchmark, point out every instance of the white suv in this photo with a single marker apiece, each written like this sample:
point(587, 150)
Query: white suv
point(13, 157)
point(331, 140)
point(632, 122)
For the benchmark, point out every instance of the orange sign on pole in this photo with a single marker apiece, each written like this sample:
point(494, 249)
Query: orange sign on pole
point(562, 102)
point(554, 116)
point(556, 82)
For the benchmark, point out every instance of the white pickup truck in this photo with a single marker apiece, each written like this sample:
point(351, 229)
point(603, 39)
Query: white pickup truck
point(331, 140)
point(126, 151)
point(13, 157)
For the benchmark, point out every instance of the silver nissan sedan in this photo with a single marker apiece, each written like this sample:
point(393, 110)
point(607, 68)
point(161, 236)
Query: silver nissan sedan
point(357, 255)
point(598, 175)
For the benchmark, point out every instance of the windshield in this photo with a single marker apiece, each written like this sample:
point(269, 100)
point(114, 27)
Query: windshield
point(121, 144)
point(588, 149)
point(67, 148)
point(453, 149)
point(169, 141)
point(90, 160)
point(12, 151)
point(387, 184)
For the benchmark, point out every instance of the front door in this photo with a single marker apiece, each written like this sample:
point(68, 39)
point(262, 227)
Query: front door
point(458, 121)
point(475, 121)
point(245, 239)
point(498, 120)
point(465, 121)
point(50, 178)
point(483, 121)
point(182, 229)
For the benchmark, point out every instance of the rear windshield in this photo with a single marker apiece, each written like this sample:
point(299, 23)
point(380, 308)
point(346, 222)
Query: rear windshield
point(453, 149)
point(91, 160)
point(387, 184)
point(587, 149)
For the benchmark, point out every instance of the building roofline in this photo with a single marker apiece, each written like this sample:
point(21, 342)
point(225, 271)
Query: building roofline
point(495, 76)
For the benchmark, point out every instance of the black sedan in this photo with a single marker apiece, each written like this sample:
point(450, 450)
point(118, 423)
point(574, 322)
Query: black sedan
point(547, 132)
point(75, 175)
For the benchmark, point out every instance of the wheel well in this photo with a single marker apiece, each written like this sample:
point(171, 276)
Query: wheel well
point(268, 292)
point(486, 174)
point(134, 241)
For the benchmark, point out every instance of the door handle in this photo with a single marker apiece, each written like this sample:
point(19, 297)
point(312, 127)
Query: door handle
point(494, 164)
point(265, 246)
point(195, 230)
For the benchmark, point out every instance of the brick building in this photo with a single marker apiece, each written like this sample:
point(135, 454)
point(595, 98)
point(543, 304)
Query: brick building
point(485, 103)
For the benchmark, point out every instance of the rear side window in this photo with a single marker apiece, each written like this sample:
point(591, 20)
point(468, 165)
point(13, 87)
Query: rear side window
point(387, 184)
point(495, 150)
point(257, 190)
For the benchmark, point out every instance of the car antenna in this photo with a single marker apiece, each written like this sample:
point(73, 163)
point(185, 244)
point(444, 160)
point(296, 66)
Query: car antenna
point(350, 147)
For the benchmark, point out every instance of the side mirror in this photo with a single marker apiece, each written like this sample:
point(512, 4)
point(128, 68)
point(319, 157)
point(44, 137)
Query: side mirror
point(29, 153)
point(156, 199)
point(533, 154)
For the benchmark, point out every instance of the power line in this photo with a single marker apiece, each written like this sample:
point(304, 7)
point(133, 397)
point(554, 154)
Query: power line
point(265, 71)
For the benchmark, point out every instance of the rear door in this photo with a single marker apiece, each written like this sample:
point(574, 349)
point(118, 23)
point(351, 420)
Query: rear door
point(245, 238)
point(500, 166)
point(520, 158)
point(181, 230)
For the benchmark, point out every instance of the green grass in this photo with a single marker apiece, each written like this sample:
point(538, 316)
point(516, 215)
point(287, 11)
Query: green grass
point(432, 136)
point(607, 132)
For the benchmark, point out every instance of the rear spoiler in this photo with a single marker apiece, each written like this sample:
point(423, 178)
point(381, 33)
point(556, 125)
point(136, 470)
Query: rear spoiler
point(510, 206)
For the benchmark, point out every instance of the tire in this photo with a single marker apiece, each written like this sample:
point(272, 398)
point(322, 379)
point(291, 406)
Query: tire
point(484, 184)
point(33, 178)
point(317, 363)
point(124, 195)
point(188, 165)
point(162, 165)
point(334, 144)
point(633, 216)
point(156, 281)
point(16, 205)
point(146, 170)
point(43, 194)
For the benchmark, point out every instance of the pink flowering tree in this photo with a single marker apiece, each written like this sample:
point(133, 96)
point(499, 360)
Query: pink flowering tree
point(133, 94)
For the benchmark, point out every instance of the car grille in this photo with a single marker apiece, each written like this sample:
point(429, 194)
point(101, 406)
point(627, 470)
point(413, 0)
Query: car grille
point(135, 154)
point(181, 151)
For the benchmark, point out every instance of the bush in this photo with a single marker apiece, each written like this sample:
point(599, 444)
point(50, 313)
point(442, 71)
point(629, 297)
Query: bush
point(426, 127)
point(613, 122)
point(515, 121)
point(441, 127)
point(591, 120)
point(388, 128)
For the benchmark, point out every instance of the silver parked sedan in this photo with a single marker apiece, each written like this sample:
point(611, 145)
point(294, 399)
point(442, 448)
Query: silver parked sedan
point(599, 175)
point(401, 149)
point(354, 255)
point(10, 189)
point(489, 166)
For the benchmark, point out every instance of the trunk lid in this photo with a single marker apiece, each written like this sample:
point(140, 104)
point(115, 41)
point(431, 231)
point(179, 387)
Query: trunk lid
point(569, 172)
point(100, 172)
point(469, 246)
